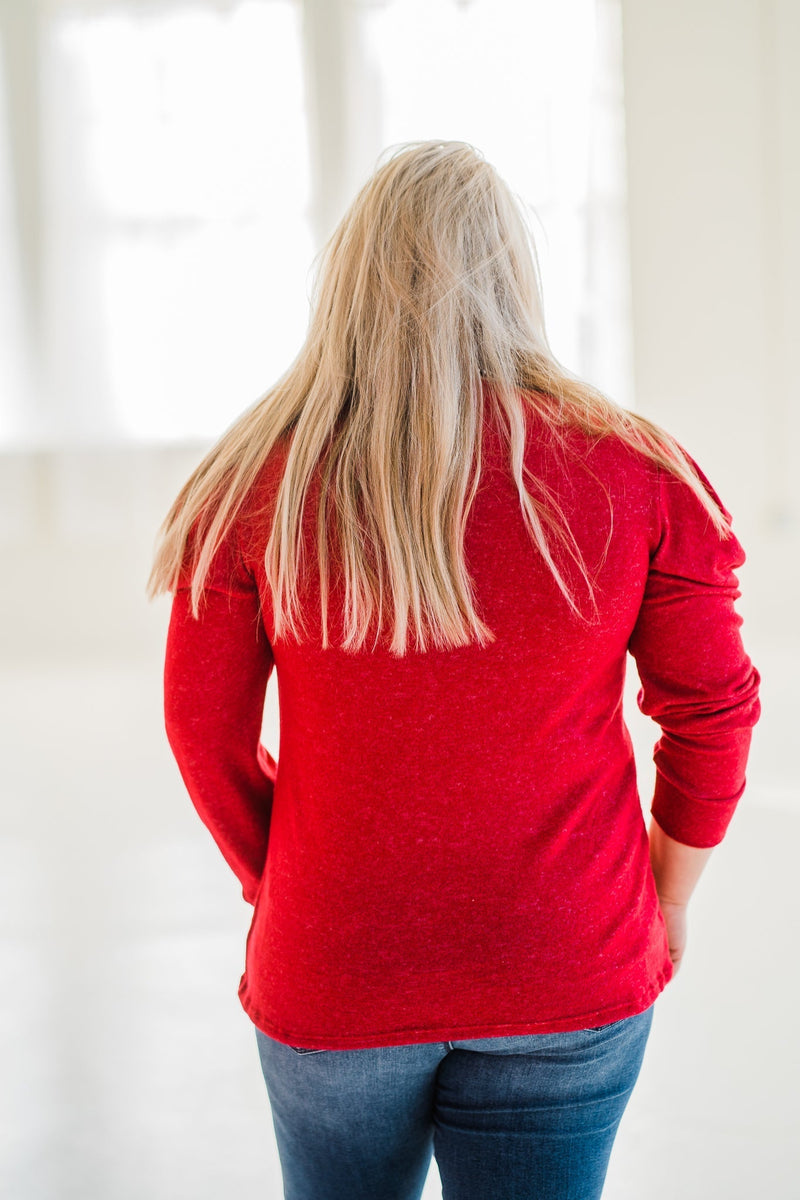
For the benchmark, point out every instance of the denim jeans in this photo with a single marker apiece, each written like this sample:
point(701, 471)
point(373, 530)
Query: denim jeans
point(507, 1118)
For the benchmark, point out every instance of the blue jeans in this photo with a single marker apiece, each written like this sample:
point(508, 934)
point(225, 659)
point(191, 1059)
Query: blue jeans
point(507, 1118)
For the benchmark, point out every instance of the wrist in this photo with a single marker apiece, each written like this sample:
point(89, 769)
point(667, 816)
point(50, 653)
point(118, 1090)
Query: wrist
point(667, 902)
point(676, 867)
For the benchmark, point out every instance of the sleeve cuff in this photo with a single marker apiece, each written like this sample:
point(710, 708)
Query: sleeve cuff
point(699, 823)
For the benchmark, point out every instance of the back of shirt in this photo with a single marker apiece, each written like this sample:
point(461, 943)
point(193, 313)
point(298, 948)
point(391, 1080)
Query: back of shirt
point(452, 844)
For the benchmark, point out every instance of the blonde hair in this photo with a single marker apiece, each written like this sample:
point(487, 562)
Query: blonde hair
point(428, 287)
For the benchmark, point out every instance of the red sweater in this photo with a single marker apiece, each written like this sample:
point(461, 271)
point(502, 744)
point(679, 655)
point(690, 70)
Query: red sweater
point(452, 843)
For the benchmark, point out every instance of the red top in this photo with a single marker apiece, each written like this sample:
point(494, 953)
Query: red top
point(452, 845)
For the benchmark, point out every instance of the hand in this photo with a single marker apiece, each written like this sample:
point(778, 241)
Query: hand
point(675, 920)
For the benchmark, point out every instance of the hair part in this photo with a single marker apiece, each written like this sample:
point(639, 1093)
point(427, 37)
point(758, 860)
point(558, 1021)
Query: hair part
point(428, 287)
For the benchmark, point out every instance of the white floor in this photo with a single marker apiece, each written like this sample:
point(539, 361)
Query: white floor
point(128, 1070)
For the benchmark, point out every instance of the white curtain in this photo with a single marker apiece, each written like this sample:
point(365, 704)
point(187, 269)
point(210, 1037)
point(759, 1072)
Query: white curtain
point(191, 156)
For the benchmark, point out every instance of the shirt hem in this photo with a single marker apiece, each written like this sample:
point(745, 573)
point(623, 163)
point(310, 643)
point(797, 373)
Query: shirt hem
point(449, 1033)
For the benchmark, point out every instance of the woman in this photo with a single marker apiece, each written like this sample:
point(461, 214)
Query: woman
point(446, 546)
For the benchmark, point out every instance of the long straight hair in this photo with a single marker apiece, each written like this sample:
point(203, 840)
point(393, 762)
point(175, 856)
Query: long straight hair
point(428, 288)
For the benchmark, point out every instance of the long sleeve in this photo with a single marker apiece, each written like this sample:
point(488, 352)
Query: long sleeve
point(216, 673)
point(698, 683)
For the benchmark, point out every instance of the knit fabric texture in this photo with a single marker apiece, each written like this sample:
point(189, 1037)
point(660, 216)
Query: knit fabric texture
point(451, 844)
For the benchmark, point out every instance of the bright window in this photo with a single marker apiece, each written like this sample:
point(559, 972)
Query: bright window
point(181, 241)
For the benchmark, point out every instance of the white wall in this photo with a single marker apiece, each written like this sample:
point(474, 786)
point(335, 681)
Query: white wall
point(712, 90)
point(77, 530)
